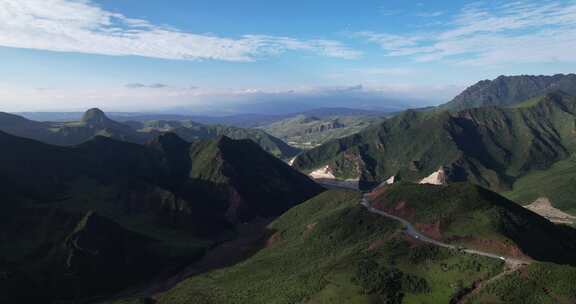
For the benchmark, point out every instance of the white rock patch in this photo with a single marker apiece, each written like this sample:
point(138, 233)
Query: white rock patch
point(324, 172)
point(543, 207)
point(391, 180)
point(436, 178)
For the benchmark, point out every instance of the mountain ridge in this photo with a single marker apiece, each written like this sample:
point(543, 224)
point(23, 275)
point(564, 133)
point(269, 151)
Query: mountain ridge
point(510, 90)
point(490, 146)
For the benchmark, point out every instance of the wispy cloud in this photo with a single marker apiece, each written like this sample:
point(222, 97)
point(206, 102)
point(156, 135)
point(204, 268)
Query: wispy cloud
point(430, 14)
point(384, 11)
point(148, 86)
point(84, 27)
point(513, 32)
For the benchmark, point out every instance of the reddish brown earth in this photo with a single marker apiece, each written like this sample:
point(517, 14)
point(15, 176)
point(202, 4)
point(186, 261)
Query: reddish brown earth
point(274, 239)
point(430, 230)
point(376, 244)
point(500, 247)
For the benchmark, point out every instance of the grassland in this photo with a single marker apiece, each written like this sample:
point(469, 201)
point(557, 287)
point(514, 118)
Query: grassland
point(558, 184)
point(539, 283)
point(331, 250)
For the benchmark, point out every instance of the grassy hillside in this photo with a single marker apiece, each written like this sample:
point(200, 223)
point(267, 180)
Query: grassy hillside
point(488, 146)
point(191, 131)
point(309, 131)
point(331, 250)
point(466, 214)
point(537, 284)
point(558, 184)
point(86, 203)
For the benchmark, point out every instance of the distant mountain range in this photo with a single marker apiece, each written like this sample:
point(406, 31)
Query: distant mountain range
point(95, 122)
point(94, 218)
point(243, 120)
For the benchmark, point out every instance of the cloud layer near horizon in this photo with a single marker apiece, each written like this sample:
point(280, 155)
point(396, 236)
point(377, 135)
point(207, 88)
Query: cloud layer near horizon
point(190, 99)
point(82, 26)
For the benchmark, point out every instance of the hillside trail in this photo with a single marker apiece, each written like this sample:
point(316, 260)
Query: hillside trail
point(511, 264)
point(412, 232)
point(510, 268)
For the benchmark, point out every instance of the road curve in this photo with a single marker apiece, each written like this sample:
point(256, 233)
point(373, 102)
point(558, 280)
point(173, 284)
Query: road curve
point(415, 234)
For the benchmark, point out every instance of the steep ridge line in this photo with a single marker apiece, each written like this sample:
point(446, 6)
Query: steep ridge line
point(415, 234)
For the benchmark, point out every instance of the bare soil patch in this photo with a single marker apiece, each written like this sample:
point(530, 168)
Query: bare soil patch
point(543, 207)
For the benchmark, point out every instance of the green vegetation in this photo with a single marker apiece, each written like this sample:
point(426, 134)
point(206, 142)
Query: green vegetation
point(331, 250)
point(467, 214)
point(106, 215)
point(306, 132)
point(489, 146)
point(538, 283)
point(510, 91)
point(191, 131)
point(558, 184)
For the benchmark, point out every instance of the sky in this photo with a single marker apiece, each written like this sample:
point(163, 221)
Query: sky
point(226, 57)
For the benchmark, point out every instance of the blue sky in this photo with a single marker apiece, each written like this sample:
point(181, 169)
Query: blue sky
point(246, 56)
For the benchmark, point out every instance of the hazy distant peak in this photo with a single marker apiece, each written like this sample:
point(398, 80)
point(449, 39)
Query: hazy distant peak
point(95, 116)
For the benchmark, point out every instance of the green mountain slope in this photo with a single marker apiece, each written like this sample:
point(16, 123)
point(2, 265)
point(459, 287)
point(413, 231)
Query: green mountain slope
point(469, 215)
point(159, 199)
point(510, 90)
point(268, 142)
point(488, 146)
point(557, 184)
point(537, 284)
point(309, 131)
point(191, 131)
point(331, 250)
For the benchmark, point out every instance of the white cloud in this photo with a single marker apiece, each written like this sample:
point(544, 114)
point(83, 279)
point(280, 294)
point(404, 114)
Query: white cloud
point(513, 32)
point(83, 27)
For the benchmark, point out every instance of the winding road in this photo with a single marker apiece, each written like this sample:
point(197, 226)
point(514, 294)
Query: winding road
point(415, 234)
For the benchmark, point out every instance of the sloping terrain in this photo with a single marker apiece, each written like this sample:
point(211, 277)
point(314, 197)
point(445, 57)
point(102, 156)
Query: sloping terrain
point(95, 123)
point(306, 132)
point(332, 250)
point(489, 146)
point(75, 209)
point(510, 90)
point(556, 184)
point(469, 215)
point(544, 283)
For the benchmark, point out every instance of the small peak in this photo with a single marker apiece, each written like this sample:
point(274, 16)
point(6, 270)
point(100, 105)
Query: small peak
point(223, 139)
point(168, 139)
point(95, 116)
